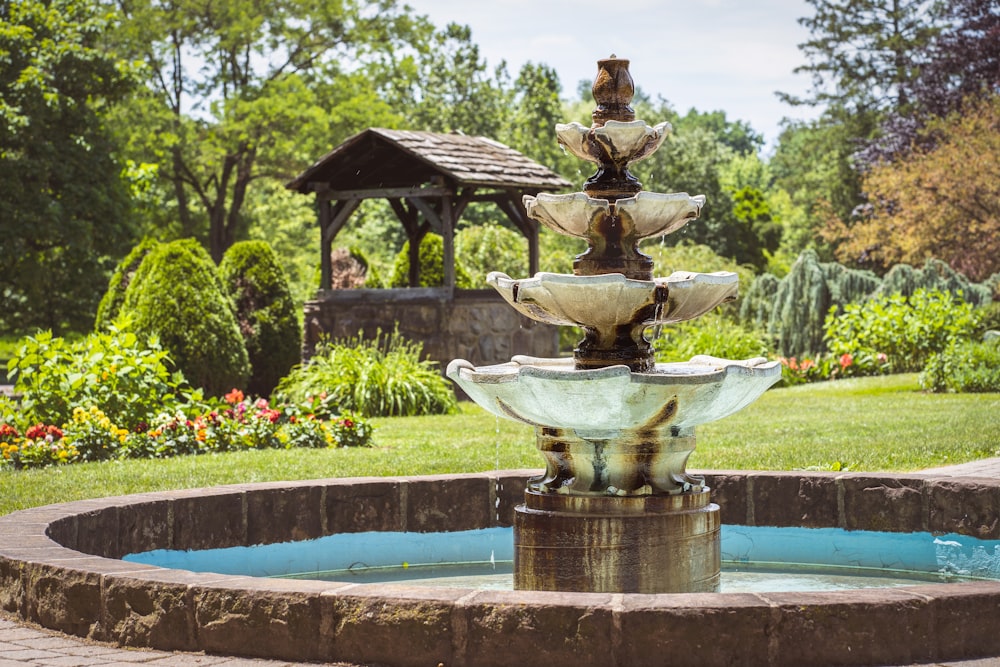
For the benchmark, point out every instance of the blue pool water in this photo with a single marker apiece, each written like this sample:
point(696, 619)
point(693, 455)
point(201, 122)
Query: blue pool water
point(754, 558)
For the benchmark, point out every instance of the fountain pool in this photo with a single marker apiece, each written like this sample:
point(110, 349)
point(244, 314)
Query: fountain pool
point(754, 559)
point(61, 567)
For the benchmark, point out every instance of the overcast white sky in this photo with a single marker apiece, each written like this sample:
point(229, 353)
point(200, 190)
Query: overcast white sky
point(707, 54)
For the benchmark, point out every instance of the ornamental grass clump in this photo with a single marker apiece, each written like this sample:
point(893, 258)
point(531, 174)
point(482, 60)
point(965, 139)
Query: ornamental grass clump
point(384, 376)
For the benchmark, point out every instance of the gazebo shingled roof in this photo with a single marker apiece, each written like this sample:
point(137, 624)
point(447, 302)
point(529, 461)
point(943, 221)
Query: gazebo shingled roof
point(429, 179)
point(380, 158)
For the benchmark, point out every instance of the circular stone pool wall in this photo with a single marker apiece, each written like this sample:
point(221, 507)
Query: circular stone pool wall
point(60, 568)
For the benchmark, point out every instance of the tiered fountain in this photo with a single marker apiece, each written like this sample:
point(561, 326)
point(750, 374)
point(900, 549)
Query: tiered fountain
point(615, 510)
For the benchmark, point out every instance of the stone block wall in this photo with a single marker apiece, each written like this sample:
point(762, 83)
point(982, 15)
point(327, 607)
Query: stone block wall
point(475, 325)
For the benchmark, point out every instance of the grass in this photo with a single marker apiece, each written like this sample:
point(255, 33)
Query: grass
point(860, 424)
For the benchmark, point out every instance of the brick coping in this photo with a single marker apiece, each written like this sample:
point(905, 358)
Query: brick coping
point(60, 568)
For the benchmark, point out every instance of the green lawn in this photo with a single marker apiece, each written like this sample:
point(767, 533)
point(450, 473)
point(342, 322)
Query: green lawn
point(863, 424)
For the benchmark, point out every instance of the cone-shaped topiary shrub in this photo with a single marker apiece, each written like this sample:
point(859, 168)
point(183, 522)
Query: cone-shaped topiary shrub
point(265, 312)
point(431, 265)
point(176, 295)
point(111, 302)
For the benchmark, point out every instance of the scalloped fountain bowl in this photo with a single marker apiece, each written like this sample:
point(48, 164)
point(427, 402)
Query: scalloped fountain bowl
point(598, 403)
point(60, 568)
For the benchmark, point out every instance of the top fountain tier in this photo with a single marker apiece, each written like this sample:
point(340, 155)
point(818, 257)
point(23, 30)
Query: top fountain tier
point(613, 213)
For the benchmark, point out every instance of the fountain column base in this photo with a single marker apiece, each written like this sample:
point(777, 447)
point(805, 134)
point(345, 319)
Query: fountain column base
point(617, 544)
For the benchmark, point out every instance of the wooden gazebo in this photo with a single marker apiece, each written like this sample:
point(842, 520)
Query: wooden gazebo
point(429, 179)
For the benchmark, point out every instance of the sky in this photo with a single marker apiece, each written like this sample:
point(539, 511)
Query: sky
point(729, 55)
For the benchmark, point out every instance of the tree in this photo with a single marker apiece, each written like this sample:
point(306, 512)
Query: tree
point(65, 209)
point(942, 202)
point(864, 54)
point(241, 89)
point(962, 63)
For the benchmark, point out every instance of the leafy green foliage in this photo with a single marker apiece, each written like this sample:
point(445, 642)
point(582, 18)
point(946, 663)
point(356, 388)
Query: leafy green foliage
point(177, 295)
point(712, 334)
point(265, 312)
point(431, 265)
point(490, 247)
point(965, 366)
point(65, 209)
point(124, 374)
point(111, 303)
point(383, 376)
point(907, 330)
point(273, 83)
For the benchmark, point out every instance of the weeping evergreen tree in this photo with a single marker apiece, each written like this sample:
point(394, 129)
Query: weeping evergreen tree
point(935, 275)
point(805, 296)
point(758, 303)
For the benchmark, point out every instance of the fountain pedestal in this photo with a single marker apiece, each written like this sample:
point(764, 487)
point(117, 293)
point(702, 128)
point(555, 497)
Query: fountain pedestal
point(608, 544)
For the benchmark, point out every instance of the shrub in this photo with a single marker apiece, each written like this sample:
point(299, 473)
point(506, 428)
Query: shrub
point(111, 302)
point(965, 366)
point(383, 376)
point(177, 295)
point(908, 331)
point(480, 249)
point(265, 312)
point(431, 255)
point(124, 374)
point(989, 318)
point(713, 334)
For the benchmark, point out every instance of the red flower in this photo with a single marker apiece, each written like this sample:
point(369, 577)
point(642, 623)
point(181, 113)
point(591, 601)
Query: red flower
point(234, 397)
point(347, 423)
point(846, 360)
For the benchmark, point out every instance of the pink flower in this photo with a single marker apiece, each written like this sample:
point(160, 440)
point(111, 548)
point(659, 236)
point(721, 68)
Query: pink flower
point(261, 404)
point(882, 357)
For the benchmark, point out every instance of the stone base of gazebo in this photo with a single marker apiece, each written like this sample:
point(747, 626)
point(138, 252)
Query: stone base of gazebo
point(476, 325)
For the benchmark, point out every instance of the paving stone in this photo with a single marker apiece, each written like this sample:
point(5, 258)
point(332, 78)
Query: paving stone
point(29, 654)
point(71, 661)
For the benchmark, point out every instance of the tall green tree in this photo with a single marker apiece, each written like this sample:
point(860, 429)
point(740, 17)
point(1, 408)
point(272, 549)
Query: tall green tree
point(64, 213)
point(242, 89)
point(863, 55)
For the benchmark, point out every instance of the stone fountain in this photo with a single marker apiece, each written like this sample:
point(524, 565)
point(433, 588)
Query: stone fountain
point(615, 510)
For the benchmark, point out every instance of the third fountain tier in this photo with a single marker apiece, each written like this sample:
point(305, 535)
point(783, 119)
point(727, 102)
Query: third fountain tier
point(615, 510)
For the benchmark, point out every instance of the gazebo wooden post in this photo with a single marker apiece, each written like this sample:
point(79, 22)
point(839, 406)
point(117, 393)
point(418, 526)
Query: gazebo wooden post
point(448, 234)
point(325, 244)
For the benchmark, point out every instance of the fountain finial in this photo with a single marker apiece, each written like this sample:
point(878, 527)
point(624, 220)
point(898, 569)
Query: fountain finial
point(613, 90)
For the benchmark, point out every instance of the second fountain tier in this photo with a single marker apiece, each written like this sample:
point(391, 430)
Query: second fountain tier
point(613, 310)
